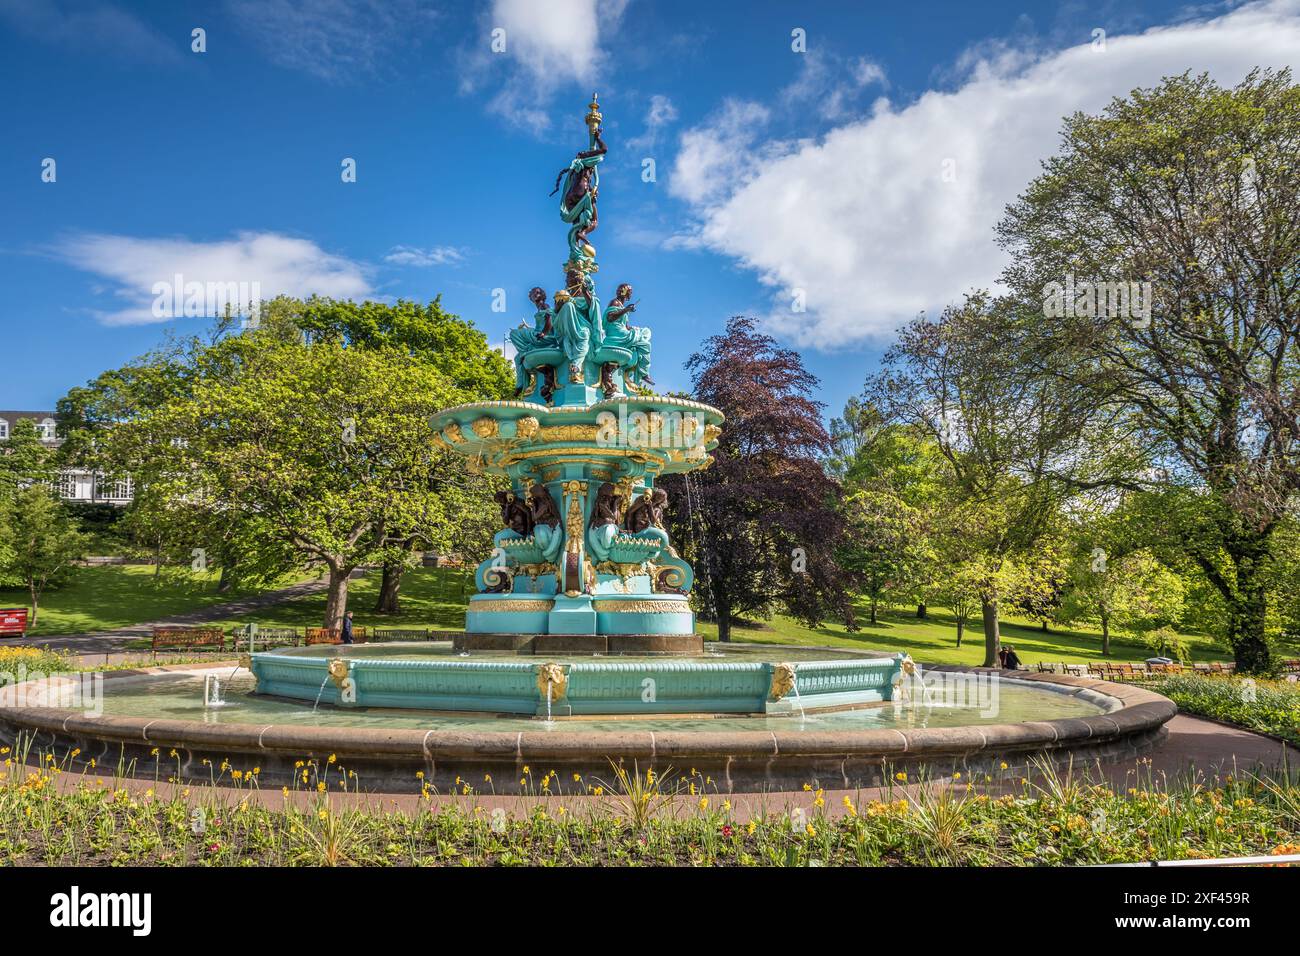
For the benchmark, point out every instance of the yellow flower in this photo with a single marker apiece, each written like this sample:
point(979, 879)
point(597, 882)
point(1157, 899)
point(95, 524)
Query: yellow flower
point(333, 757)
point(320, 788)
point(807, 787)
point(1003, 765)
point(811, 830)
point(704, 803)
point(487, 778)
point(419, 775)
point(901, 776)
point(726, 805)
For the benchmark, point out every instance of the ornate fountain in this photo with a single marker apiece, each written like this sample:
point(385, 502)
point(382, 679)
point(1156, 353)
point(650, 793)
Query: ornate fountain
point(582, 563)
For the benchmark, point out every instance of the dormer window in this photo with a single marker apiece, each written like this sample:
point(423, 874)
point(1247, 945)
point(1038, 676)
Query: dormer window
point(46, 430)
point(4, 429)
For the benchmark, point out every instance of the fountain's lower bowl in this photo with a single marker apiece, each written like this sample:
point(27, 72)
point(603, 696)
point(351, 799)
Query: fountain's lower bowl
point(539, 687)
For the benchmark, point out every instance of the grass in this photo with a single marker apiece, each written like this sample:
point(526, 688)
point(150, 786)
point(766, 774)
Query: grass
point(58, 810)
point(104, 597)
point(430, 598)
point(934, 639)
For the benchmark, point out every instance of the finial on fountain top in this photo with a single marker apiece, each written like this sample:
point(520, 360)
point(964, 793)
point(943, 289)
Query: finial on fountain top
point(593, 118)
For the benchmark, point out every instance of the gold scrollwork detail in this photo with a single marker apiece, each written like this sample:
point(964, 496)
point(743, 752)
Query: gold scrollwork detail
point(453, 433)
point(527, 427)
point(519, 604)
point(568, 433)
point(486, 427)
point(643, 607)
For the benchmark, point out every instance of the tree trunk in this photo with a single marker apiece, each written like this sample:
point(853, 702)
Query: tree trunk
point(336, 604)
point(921, 610)
point(992, 638)
point(1044, 623)
point(873, 609)
point(722, 607)
point(961, 627)
point(1105, 635)
point(1246, 630)
point(227, 581)
point(389, 588)
point(31, 589)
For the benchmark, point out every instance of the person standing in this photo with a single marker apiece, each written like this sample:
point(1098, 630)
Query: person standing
point(347, 628)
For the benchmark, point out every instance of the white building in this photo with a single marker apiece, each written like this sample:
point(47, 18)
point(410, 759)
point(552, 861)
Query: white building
point(75, 484)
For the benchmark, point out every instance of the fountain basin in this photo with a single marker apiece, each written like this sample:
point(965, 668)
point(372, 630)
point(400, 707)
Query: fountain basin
point(376, 677)
point(1050, 716)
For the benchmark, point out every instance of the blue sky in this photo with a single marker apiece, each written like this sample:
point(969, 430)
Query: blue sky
point(860, 176)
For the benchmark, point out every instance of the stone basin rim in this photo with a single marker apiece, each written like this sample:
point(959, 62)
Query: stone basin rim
point(1135, 712)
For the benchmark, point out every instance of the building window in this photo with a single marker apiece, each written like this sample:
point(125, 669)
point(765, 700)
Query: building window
point(46, 430)
point(4, 429)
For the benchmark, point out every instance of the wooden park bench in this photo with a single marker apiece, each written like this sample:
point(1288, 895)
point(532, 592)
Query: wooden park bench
point(333, 635)
point(398, 634)
point(266, 637)
point(1164, 668)
point(187, 638)
point(1291, 665)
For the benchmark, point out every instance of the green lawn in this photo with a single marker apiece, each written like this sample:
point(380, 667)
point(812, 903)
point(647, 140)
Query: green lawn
point(434, 598)
point(430, 597)
point(97, 598)
point(934, 640)
point(113, 596)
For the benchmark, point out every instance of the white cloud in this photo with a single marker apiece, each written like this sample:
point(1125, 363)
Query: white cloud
point(425, 258)
point(101, 27)
point(547, 45)
point(278, 264)
point(336, 40)
point(662, 113)
point(862, 220)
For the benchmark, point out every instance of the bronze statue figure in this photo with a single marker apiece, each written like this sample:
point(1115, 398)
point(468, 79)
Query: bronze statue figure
point(545, 511)
point(606, 510)
point(647, 512)
point(514, 514)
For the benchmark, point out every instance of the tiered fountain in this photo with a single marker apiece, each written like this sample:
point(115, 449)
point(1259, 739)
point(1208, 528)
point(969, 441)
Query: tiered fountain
point(582, 564)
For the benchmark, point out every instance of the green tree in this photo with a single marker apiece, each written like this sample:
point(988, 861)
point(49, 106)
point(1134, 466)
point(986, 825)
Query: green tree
point(461, 354)
point(42, 541)
point(881, 546)
point(1008, 441)
point(323, 451)
point(1193, 188)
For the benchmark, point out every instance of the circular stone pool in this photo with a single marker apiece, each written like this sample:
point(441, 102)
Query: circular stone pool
point(946, 719)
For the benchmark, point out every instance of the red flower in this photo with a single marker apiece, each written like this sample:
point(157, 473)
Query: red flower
point(726, 830)
point(214, 847)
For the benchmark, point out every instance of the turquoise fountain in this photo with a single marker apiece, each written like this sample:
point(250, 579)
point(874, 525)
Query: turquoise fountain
point(583, 564)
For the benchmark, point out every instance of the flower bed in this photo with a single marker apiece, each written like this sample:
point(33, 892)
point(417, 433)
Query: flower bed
point(630, 817)
point(1272, 707)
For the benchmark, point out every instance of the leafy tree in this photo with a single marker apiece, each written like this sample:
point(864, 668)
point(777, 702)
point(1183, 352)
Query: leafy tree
point(42, 541)
point(1006, 439)
point(476, 372)
point(881, 546)
point(760, 526)
point(1130, 594)
point(322, 449)
point(1193, 188)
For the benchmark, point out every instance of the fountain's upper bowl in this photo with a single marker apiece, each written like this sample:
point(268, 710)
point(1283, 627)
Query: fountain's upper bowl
point(674, 434)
